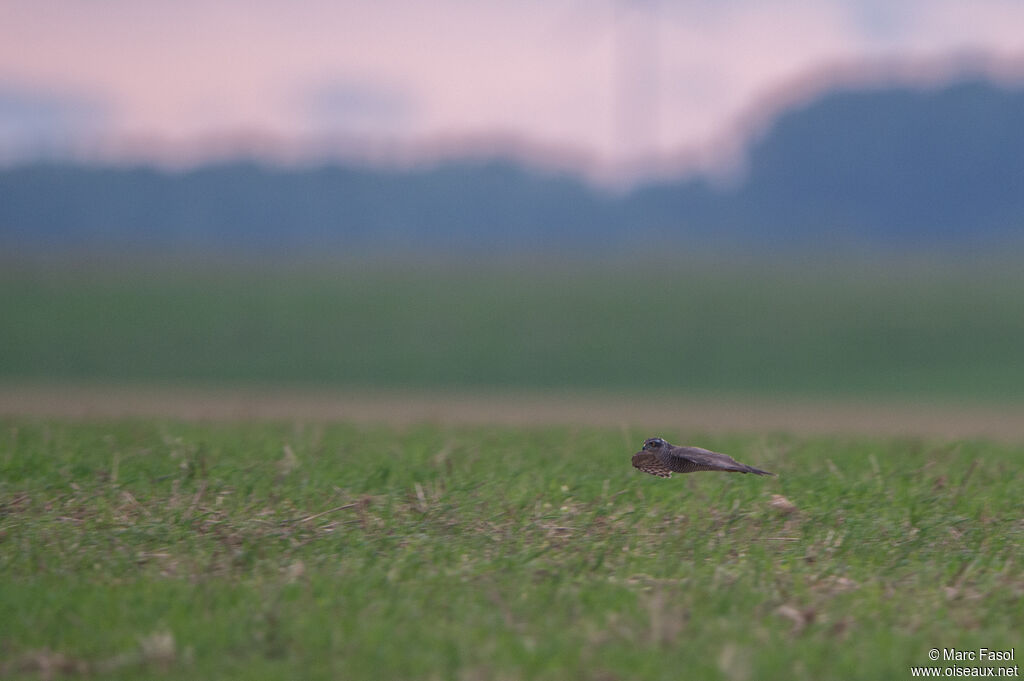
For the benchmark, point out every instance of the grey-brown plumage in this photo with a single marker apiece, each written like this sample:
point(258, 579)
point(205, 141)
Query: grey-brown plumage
point(660, 458)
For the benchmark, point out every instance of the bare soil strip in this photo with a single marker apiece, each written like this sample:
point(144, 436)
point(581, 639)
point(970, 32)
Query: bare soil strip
point(946, 421)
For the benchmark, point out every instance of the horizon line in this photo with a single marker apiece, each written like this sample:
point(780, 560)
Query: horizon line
point(719, 162)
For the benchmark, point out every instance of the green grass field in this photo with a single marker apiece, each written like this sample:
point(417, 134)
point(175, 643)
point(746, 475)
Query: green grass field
point(858, 329)
point(154, 549)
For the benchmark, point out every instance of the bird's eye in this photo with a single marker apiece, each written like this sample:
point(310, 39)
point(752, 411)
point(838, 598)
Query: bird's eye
point(654, 444)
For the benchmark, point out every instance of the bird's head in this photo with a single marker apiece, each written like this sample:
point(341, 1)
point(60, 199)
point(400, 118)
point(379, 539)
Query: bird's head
point(654, 444)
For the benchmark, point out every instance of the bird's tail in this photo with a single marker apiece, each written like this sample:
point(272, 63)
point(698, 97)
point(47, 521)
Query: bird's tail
point(757, 471)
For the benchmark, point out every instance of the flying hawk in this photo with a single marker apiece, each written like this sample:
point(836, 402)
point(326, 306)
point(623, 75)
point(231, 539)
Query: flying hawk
point(660, 458)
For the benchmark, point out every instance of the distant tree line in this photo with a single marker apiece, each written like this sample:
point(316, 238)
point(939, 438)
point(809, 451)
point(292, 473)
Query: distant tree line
point(880, 168)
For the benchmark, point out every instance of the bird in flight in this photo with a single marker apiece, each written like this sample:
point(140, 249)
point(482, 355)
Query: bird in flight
point(660, 458)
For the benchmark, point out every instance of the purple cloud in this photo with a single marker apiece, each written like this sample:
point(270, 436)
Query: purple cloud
point(35, 120)
point(357, 106)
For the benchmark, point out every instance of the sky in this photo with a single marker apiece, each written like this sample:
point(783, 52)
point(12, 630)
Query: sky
point(609, 85)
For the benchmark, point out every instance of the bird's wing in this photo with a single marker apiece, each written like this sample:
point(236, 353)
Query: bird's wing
point(691, 459)
point(649, 463)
